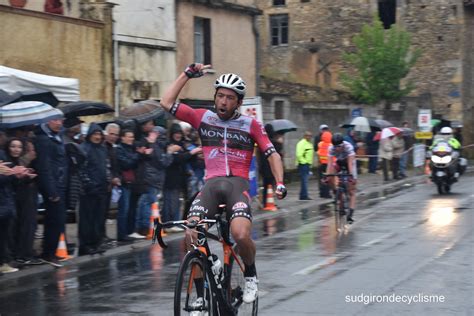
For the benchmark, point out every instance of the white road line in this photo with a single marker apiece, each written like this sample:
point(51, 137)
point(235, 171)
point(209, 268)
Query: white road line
point(320, 265)
point(378, 240)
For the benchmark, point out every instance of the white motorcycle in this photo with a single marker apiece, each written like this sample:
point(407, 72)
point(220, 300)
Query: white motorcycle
point(444, 166)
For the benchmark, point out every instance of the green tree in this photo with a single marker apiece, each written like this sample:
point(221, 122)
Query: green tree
point(381, 60)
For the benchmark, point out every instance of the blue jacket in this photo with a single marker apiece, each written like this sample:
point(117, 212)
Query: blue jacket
point(51, 163)
point(95, 168)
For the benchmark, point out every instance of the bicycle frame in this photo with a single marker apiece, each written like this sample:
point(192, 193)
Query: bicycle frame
point(341, 199)
point(221, 288)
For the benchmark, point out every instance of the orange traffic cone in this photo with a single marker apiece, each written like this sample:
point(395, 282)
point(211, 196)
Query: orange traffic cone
point(270, 203)
point(61, 251)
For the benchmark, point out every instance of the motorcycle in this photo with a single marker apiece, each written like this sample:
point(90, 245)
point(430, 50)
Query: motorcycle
point(444, 166)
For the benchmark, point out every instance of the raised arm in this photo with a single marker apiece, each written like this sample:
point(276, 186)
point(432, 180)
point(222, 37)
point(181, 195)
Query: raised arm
point(171, 94)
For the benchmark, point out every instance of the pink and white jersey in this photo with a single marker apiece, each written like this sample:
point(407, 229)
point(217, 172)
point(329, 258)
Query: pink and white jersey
point(227, 145)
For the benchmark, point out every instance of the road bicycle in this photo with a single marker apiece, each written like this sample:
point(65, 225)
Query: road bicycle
point(203, 285)
point(341, 200)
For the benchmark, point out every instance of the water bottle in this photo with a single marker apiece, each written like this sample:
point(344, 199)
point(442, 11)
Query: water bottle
point(216, 268)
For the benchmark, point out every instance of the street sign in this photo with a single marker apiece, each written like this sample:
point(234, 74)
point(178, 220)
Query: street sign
point(356, 112)
point(419, 155)
point(423, 135)
point(252, 107)
point(424, 119)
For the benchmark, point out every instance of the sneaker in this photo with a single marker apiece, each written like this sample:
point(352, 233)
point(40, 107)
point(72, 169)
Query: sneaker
point(29, 262)
point(6, 268)
point(52, 261)
point(136, 236)
point(250, 290)
point(198, 303)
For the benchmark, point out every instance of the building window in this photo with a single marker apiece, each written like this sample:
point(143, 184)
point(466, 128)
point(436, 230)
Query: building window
point(387, 12)
point(202, 40)
point(279, 29)
point(278, 2)
point(279, 110)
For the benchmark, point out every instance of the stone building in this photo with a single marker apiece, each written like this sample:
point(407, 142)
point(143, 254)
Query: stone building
point(52, 44)
point(145, 49)
point(301, 43)
point(220, 33)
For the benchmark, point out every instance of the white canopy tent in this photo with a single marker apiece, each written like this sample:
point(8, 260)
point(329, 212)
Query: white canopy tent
point(14, 80)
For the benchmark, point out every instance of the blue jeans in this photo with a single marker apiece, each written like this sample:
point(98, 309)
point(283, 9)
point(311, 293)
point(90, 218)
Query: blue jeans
point(142, 219)
point(171, 205)
point(122, 215)
point(304, 175)
point(403, 164)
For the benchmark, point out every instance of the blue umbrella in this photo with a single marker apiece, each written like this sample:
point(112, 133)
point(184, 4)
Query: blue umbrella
point(27, 113)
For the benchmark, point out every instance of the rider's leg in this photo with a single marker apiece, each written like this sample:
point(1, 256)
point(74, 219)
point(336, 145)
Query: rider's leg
point(352, 201)
point(240, 229)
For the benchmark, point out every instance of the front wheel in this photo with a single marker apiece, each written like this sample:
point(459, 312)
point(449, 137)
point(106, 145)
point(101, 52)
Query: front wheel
point(440, 188)
point(193, 293)
point(235, 282)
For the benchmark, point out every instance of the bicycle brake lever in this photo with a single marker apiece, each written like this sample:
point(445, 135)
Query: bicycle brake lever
point(157, 234)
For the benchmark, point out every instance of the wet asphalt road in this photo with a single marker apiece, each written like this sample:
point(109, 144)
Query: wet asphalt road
point(412, 246)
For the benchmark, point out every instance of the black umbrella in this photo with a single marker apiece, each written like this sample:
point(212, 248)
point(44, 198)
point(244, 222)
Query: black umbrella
point(34, 95)
point(282, 126)
point(362, 124)
point(85, 108)
point(142, 111)
point(383, 123)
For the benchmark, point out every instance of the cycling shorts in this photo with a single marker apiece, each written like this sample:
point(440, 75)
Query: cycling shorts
point(231, 191)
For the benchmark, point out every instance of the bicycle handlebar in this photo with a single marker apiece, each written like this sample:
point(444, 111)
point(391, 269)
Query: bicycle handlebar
point(184, 224)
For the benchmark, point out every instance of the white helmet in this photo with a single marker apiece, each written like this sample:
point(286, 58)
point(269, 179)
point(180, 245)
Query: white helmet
point(232, 82)
point(446, 130)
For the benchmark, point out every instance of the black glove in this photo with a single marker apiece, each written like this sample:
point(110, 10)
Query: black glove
point(280, 191)
point(192, 72)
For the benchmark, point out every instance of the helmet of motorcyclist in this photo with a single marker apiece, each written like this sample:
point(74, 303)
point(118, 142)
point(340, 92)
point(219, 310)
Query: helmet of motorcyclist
point(337, 139)
point(233, 82)
point(446, 130)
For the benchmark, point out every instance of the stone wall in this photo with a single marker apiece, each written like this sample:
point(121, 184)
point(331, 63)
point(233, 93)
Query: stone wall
point(437, 28)
point(320, 31)
point(468, 76)
point(55, 45)
point(233, 44)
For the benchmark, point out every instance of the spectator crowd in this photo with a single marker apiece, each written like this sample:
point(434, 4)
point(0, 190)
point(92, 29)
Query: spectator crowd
point(84, 170)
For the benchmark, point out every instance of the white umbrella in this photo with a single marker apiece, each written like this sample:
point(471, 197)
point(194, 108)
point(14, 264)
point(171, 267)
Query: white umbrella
point(27, 113)
point(389, 131)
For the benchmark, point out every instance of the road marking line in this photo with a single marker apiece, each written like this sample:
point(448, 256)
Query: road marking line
point(378, 240)
point(320, 265)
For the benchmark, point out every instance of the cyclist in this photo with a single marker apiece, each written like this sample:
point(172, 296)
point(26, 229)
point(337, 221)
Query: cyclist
point(228, 140)
point(341, 157)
